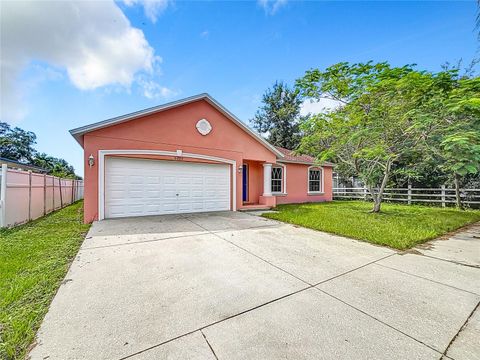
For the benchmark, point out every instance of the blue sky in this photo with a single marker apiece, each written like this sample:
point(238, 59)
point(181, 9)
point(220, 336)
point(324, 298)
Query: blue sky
point(62, 76)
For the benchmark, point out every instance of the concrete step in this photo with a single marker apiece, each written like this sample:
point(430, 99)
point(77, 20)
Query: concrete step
point(255, 207)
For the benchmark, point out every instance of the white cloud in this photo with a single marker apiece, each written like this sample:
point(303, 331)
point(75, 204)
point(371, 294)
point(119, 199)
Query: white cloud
point(92, 41)
point(152, 8)
point(153, 90)
point(205, 34)
point(319, 106)
point(271, 6)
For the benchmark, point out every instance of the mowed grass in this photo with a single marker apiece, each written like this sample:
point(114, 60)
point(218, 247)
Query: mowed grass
point(34, 259)
point(397, 226)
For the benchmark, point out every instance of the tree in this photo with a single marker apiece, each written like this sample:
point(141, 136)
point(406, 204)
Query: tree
point(374, 128)
point(16, 144)
point(450, 116)
point(55, 166)
point(458, 131)
point(396, 122)
point(279, 116)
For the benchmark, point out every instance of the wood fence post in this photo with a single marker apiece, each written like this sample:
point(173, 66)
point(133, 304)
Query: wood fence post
point(61, 197)
point(365, 193)
point(44, 194)
point(409, 196)
point(72, 182)
point(29, 195)
point(443, 196)
point(3, 196)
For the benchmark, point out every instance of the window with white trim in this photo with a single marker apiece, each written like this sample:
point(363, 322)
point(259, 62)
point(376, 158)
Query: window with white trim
point(315, 180)
point(277, 179)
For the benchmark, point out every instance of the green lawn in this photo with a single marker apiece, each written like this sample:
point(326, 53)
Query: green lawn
point(398, 226)
point(34, 259)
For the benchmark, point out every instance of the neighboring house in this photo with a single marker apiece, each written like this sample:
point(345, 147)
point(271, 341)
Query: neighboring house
point(14, 164)
point(190, 155)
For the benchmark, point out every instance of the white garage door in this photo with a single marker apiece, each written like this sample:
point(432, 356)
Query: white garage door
point(137, 187)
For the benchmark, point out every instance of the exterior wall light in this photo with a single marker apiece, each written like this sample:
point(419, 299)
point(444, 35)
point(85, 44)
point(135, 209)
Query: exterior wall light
point(91, 160)
point(240, 168)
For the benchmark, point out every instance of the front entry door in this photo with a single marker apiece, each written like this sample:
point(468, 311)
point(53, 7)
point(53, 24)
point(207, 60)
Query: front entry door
point(245, 182)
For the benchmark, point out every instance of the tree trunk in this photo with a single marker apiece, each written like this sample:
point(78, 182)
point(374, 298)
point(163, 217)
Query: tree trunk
point(374, 196)
point(377, 200)
point(458, 199)
point(376, 205)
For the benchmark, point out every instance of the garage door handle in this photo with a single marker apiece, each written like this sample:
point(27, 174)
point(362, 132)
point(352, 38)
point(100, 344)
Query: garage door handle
point(176, 194)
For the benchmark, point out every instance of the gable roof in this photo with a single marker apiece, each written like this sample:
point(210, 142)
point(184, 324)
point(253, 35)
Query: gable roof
point(78, 133)
point(289, 156)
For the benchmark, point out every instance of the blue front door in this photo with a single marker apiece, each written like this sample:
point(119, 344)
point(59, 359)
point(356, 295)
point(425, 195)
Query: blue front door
point(245, 182)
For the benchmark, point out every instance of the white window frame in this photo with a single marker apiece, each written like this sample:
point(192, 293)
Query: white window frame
point(322, 177)
point(283, 180)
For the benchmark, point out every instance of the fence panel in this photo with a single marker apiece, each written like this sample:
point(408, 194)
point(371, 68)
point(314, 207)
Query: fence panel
point(49, 199)
point(36, 202)
point(16, 200)
point(56, 193)
point(26, 196)
point(442, 196)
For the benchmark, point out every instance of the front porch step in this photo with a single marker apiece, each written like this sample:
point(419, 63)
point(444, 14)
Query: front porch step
point(254, 207)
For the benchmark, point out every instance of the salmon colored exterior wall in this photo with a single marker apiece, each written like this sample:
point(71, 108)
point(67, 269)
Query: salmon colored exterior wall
point(171, 130)
point(174, 129)
point(297, 185)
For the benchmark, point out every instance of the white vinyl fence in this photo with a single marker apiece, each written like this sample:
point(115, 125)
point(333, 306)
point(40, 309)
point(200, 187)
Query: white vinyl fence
point(410, 195)
point(26, 196)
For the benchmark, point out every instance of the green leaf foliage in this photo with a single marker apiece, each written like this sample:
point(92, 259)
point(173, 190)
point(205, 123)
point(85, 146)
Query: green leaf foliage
point(279, 116)
point(18, 145)
point(394, 122)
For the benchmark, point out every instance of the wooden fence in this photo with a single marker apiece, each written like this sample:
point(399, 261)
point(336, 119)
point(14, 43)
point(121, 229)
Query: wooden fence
point(26, 196)
point(443, 195)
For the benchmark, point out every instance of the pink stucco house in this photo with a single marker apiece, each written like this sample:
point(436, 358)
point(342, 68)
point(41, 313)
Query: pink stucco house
point(190, 155)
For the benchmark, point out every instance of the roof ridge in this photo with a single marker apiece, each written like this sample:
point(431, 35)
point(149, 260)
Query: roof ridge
point(78, 132)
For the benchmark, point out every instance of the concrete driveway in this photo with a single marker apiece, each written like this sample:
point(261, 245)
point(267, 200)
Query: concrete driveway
point(236, 286)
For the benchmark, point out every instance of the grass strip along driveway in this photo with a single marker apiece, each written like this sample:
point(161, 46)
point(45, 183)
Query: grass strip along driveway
point(34, 259)
point(398, 226)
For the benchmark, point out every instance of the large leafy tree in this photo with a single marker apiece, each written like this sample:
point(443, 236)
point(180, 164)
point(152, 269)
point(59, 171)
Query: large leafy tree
point(454, 129)
point(374, 128)
point(396, 122)
point(449, 115)
point(16, 144)
point(279, 116)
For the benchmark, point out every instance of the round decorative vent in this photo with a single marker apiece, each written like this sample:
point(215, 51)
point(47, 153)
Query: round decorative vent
point(204, 127)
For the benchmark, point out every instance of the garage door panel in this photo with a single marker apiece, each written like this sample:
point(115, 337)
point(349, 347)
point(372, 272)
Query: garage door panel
point(169, 194)
point(185, 207)
point(118, 195)
point(153, 194)
point(197, 180)
point(133, 179)
point(136, 187)
point(169, 180)
point(197, 206)
point(197, 193)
